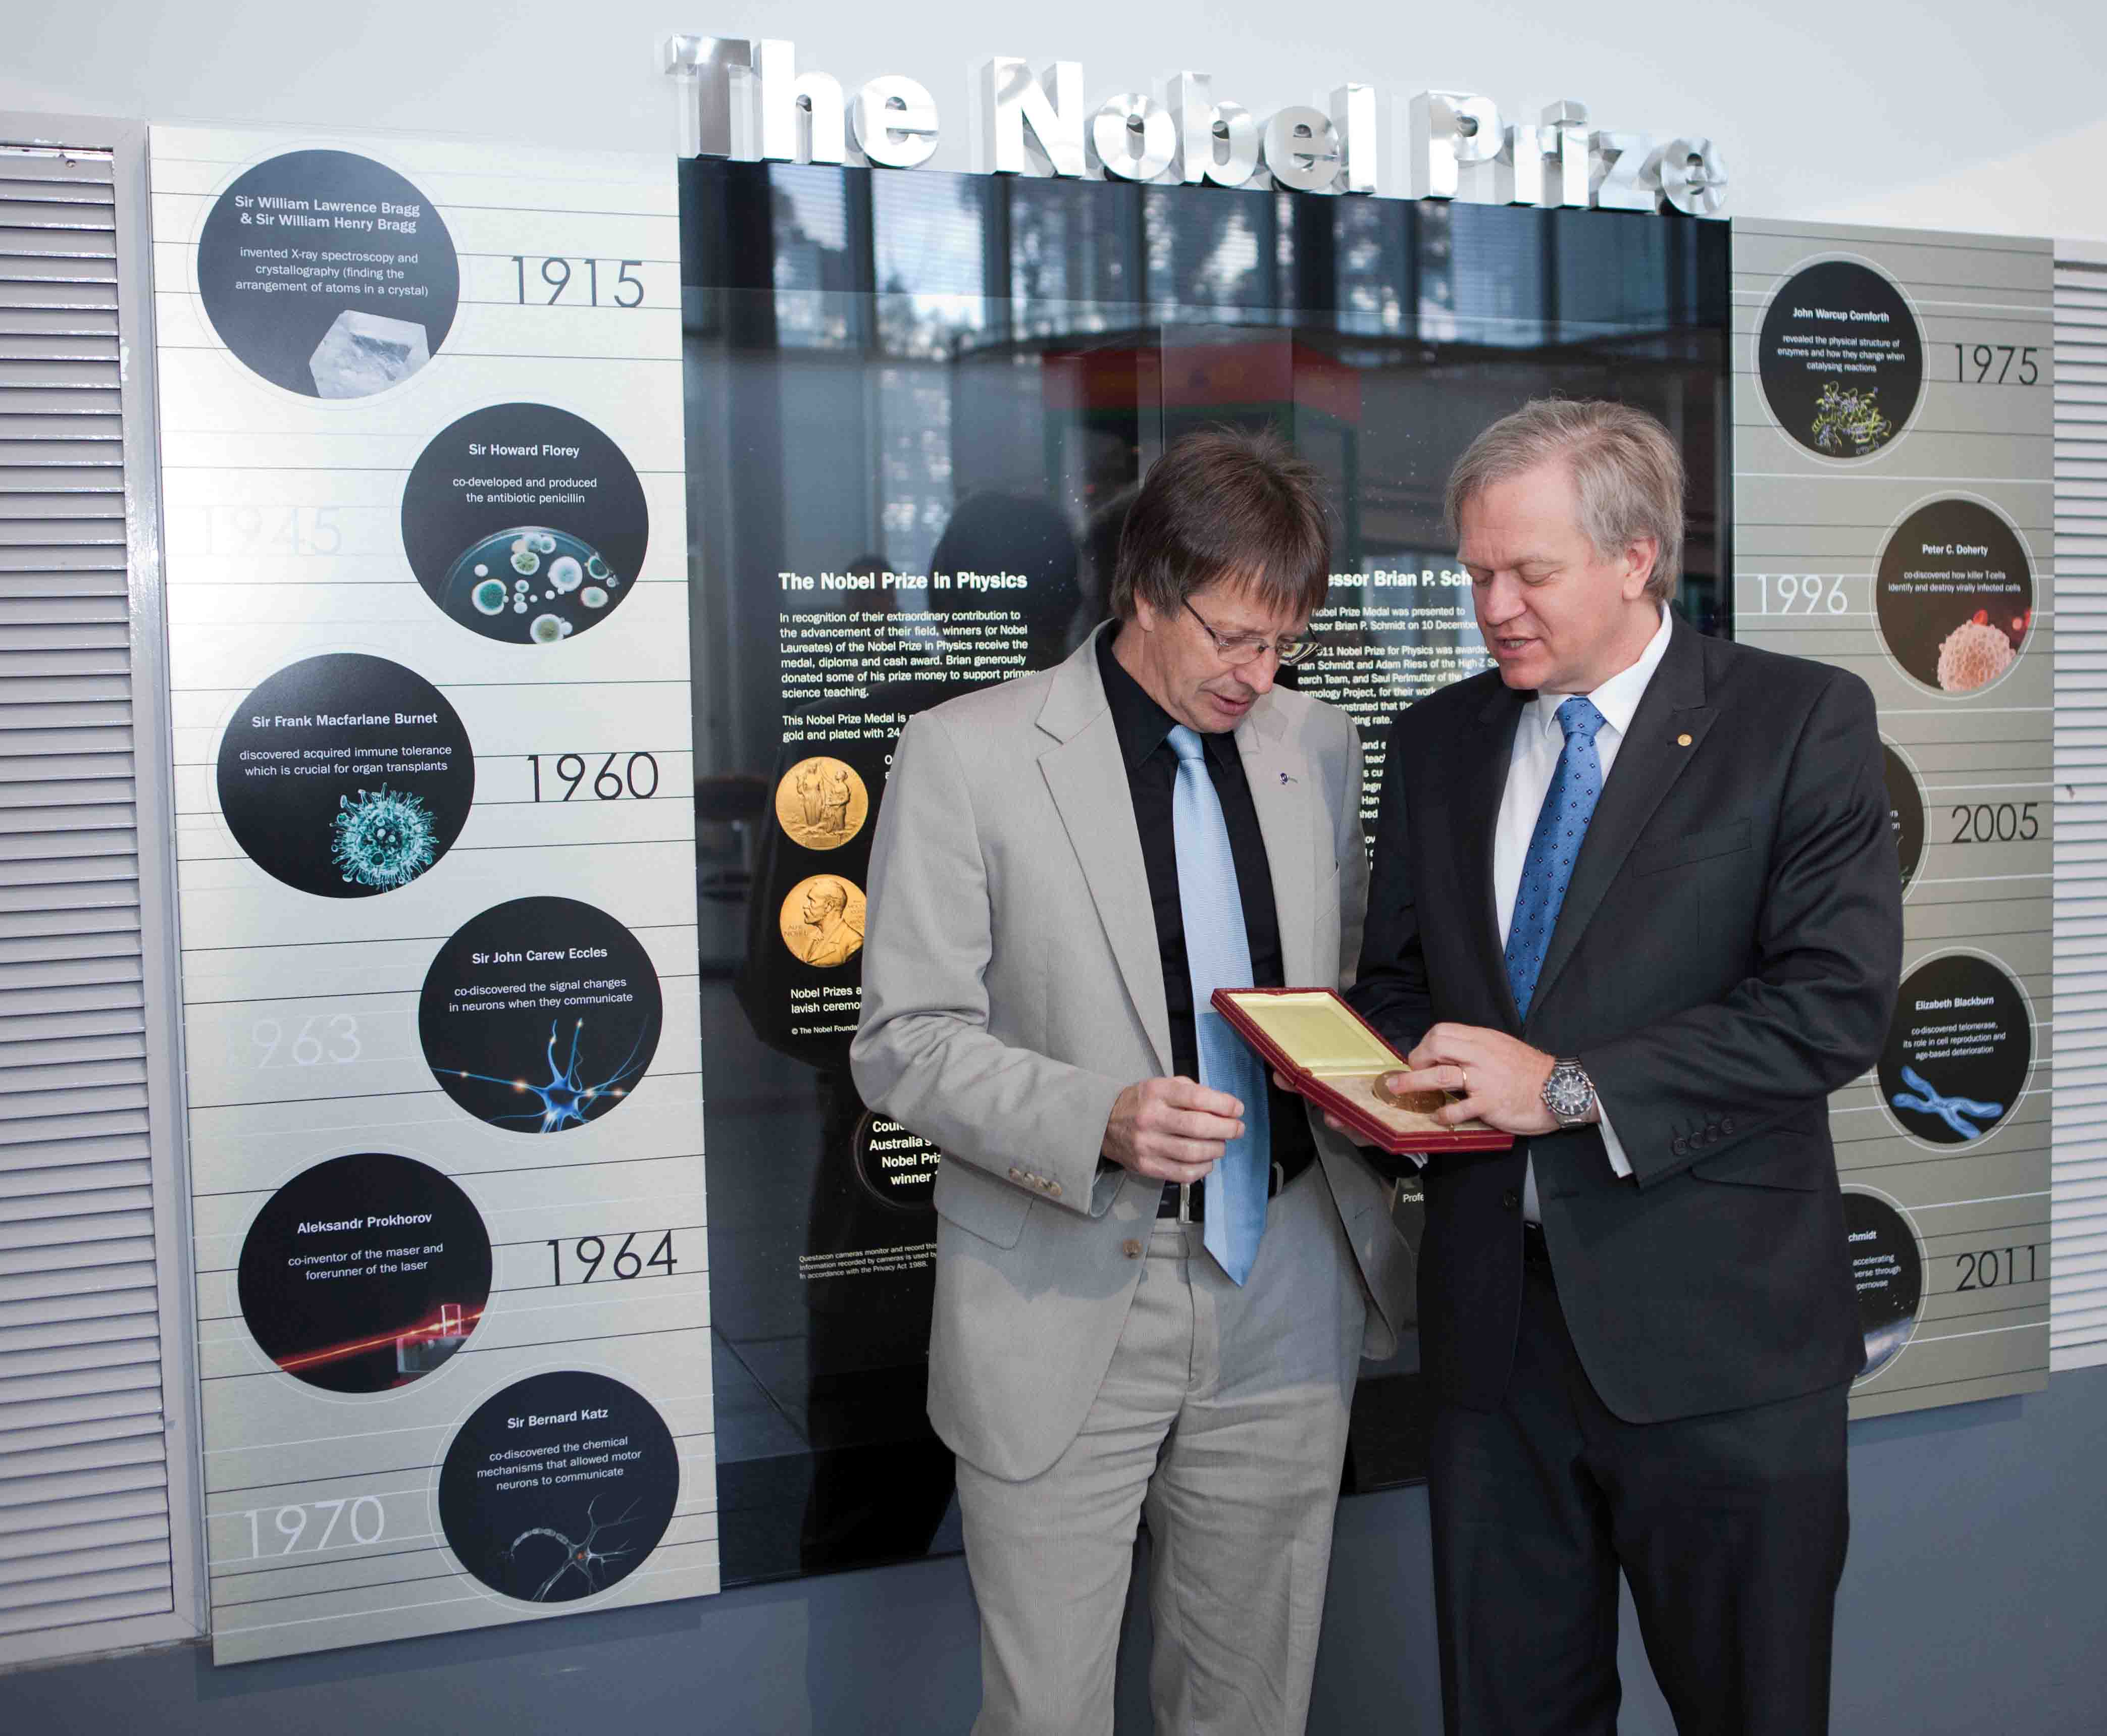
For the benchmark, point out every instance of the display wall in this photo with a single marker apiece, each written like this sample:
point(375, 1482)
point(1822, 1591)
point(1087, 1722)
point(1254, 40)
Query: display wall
point(1894, 515)
point(457, 504)
point(426, 538)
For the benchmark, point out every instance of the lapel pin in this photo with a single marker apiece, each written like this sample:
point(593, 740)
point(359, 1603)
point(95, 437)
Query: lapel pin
point(1682, 741)
point(1285, 778)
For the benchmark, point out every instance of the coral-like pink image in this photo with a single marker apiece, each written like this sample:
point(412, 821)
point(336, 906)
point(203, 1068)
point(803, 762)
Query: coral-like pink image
point(1973, 655)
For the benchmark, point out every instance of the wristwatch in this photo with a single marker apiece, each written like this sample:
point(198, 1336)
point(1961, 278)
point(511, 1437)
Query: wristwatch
point(1569, 1093)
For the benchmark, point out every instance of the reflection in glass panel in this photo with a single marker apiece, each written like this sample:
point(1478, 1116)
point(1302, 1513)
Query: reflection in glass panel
point(1217, 253)
point(810, 219)
point(919, 406)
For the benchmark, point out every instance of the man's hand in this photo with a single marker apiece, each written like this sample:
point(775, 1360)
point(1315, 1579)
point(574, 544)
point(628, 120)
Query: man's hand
point(1171, 1129)
point(1502, 1078)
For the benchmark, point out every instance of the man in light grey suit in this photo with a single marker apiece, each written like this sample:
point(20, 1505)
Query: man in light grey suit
point(1153, 1271)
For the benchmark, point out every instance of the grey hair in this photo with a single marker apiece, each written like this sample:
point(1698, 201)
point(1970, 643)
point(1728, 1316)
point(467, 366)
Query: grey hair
point(1626, 470)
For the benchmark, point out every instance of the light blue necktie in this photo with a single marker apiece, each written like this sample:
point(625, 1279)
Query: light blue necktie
point(1561, 825)
point(1218, 955)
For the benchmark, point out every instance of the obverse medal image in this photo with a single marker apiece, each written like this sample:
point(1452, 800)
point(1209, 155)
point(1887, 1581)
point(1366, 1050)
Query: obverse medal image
point(821, 921)
point(821, 803)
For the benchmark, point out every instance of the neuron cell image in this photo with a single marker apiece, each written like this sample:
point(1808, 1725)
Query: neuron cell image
point(383, 839)
point(575, 1090)
point(596, 1568)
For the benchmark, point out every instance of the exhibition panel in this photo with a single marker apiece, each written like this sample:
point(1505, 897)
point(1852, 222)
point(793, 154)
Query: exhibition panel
point(1894, 515)
point(428, 624)
point(553, 545)
point(918, 408)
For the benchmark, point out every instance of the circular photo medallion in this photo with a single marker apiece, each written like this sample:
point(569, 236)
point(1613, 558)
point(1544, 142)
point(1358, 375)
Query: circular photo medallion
point(525, 523)
point(897, 1168)
point(328, 274)
point(1956, 1058)
point(1841, 360)
point(364, 1273)
point(559, 1487)
point(1887, 1269)
point(539, 1015)
point(1905, 811)
point(345, 775)
point(1954, 596)
point(821, 921)
point(821, 803)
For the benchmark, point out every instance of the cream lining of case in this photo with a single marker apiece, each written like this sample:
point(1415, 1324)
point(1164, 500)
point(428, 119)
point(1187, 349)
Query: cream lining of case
point(1318, 1033)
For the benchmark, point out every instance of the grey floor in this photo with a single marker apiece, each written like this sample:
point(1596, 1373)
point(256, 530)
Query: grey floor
point(1973, 1603)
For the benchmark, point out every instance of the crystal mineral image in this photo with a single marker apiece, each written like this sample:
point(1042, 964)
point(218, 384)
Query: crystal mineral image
point(1973, 655)
point(363, 353)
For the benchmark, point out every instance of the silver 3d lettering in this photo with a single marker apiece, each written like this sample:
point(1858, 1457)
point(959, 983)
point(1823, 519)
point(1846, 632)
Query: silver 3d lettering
point(750, 100)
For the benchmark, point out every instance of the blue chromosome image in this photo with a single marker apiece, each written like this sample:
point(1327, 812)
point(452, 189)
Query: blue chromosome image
point(1961, 1113)
point(566, 1099)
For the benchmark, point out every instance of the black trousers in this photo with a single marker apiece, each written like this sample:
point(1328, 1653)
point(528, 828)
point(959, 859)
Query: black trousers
point(1731, 1529)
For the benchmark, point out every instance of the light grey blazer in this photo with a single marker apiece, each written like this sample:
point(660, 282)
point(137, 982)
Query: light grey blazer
point(1013, 987)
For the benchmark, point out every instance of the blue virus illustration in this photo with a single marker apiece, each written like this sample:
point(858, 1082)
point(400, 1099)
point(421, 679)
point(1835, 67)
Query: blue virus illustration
point(567, 1098)
point(1961, 1113)
point(580, 1557)
point(383, 839)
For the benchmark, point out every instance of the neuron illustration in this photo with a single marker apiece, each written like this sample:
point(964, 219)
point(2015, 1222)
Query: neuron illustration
point(567, 1098)
point(580, 1557)
point(1842, 415)
point(383, 839)
point(1961, 1113)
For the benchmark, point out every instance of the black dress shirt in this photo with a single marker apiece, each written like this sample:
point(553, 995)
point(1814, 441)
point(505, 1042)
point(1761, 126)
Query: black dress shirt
point(1144, 729)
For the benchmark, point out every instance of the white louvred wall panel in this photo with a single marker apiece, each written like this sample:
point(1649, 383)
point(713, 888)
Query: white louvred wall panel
point(96, 1518)
point(2078, 1283)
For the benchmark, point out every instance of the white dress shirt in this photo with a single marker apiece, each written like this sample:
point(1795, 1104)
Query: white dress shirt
point(1539, 740)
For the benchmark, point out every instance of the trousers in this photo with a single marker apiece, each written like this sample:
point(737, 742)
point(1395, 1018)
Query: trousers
point(1730, 1529)
point(1223, 1420)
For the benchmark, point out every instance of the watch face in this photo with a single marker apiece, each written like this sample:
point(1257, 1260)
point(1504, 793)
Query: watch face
point(1566, 1091)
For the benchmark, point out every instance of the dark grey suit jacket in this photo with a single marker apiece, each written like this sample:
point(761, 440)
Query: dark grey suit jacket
point(1727, 954)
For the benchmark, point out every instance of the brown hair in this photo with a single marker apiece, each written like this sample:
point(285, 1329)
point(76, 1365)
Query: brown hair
point(1626, 470)
point(1224, 504)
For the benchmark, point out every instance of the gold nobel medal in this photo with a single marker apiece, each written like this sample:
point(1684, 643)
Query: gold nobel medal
point(821, 803)
point(821, 921)
point(1419, 1102)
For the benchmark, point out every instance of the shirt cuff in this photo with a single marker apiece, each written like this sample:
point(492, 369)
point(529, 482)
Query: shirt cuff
point(1620, 1163)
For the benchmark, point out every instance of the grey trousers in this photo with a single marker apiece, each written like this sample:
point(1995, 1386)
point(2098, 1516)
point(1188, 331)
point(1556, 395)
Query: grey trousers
point(1223, 1416)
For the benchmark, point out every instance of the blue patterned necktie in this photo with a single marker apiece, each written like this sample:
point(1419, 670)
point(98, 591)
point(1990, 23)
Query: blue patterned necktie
point(1561, 825)
point(1218, 955)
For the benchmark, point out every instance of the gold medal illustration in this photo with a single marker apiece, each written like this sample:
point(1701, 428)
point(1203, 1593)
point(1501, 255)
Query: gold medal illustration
point(821, 921)
point(821, 803)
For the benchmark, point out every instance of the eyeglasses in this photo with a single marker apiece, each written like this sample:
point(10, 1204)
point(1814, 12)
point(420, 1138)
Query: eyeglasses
point(1236, 649)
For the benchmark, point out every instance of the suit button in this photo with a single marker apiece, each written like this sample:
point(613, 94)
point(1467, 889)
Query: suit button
point(1712, 1136)
point(1054, 1189)
point(1727, 1125)
point(1016, 1174)
point(1511, 1201)
point(1131, 1249)
point(1681, 1146)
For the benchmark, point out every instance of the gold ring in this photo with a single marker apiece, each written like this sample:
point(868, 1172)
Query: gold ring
point(1464, 1088)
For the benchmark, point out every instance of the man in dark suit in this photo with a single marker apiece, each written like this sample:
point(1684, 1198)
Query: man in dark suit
point(1634, 899)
